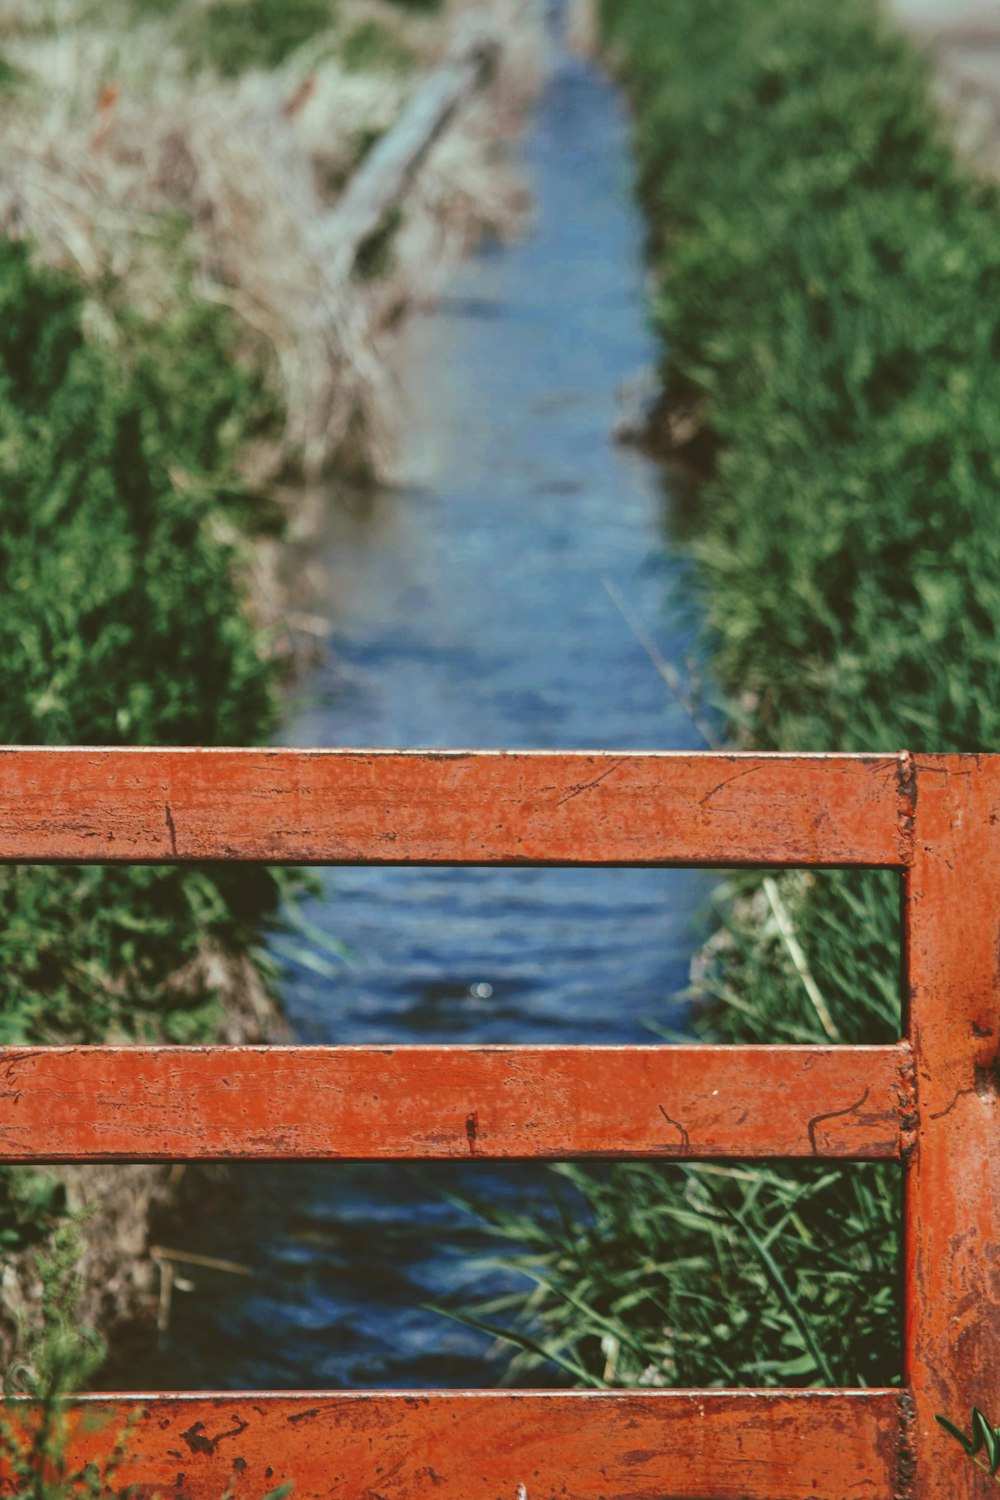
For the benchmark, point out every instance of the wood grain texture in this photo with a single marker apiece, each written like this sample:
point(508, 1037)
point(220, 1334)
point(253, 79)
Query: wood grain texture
point(183, 1103)
point(444, 807)
point(511, 1445)
point(934, 1100)
point(953, 1178)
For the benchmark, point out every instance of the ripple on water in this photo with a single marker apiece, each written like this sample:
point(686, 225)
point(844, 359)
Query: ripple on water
point(468, 609)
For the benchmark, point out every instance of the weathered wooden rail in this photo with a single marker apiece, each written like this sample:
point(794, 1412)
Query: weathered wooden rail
point(930, 1102)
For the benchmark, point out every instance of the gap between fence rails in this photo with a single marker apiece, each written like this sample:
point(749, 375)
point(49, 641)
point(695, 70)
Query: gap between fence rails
point(930, 1101)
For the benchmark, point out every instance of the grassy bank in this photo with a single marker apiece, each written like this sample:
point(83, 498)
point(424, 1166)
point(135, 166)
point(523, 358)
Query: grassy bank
point(178, 382)
point(221, 134)
point(122, 621)
point(826, 288)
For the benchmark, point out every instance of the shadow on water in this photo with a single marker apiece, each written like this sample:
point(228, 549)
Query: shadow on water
point(467, 608)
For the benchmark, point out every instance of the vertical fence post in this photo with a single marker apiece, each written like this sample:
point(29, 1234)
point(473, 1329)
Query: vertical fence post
point(952, 1257)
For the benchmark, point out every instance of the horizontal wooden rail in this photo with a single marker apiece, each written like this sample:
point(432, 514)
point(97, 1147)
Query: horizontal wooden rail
point(506, 1445)
point(445, 807)
point(373, 1103)
point(185, 1103)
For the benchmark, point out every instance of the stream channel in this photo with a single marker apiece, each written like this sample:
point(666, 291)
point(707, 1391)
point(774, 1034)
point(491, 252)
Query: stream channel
point(467, 608)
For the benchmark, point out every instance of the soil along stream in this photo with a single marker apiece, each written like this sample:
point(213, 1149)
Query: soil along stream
point(468, 608)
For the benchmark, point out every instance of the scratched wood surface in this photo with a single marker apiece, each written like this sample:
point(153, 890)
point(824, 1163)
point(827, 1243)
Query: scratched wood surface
point(934, 1100)
point(510, 1445)
point(182, 1103)
point(444, 807)
point(953, 1157)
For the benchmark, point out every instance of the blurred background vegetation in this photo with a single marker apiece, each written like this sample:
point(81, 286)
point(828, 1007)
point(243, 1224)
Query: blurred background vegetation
point(826, 285)
point(826, 277)
point(122, 621)
point(175, 373)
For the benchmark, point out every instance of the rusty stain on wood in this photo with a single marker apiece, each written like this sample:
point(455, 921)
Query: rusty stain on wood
point(653, 1445)
point(183, 1103)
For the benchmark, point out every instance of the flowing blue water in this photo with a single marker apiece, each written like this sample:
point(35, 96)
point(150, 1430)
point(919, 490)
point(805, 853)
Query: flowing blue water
point(467, 608)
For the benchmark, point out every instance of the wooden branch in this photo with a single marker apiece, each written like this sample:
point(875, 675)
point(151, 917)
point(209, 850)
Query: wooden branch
point(389, 167)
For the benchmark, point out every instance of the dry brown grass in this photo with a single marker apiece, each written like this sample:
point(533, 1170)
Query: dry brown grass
point(122, 164)
point(151, 184)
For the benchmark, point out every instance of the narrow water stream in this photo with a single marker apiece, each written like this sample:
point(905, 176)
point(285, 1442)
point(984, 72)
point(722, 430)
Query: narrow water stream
point(468, 609)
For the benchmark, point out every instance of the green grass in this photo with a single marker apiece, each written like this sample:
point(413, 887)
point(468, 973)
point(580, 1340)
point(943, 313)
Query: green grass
point(369, 47)
point(122, 622)
point(56, 1357)
point(827, 280)
point(232, 36)
point(376, 255)
point(731, 1275)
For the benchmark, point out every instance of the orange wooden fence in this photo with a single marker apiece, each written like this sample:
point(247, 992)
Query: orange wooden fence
point(930, 1102)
